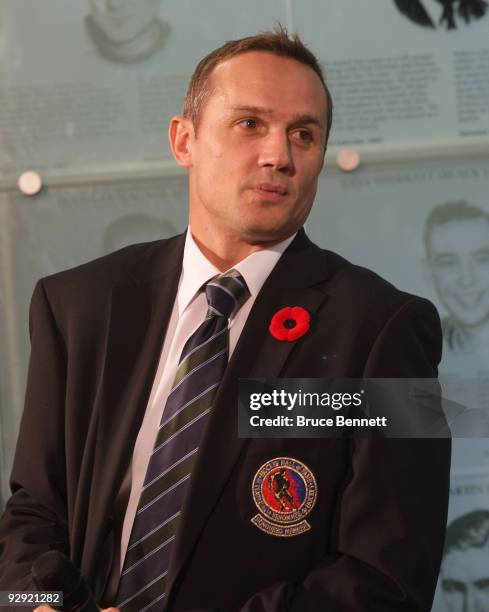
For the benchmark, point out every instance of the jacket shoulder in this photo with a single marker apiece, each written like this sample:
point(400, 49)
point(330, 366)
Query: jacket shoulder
point(104, 273)
point(366, 292)
point(86, 290)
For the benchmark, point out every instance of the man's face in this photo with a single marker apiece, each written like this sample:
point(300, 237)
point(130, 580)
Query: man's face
point(259, 148)
point(465, 580)
point(123, 20)
point(460, 267)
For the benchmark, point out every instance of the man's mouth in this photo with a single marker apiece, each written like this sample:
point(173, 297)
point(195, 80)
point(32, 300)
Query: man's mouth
point(469, 299)
point(270, 191)
point(275, 187)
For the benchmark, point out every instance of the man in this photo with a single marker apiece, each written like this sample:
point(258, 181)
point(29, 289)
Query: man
point(126, 31)
point(457, 248)
point(465, 568)
point(426, 13)
point(111, 342)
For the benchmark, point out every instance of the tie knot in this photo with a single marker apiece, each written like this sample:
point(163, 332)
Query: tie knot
point(226, 294)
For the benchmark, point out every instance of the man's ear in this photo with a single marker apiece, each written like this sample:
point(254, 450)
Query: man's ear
point(181, 135)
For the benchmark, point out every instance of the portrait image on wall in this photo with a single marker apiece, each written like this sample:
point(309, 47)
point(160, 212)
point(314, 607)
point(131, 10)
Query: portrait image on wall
point(465, 566)
point(456, 240)
point(126, 31)
point(442, 14)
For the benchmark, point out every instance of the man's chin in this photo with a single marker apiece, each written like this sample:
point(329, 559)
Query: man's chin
point(259, 234)
point(472, 322)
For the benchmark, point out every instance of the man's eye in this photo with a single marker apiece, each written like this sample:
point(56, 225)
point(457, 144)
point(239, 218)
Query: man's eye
point(482, 257)
point(483, 585)
point(248, 123)
point(453, 586)
point(446, 260)
point(302, 135)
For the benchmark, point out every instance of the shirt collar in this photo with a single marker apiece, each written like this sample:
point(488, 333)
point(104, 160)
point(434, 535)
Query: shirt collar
point(197, 269)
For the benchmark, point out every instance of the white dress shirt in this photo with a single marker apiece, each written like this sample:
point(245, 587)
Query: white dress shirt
point(189, 310)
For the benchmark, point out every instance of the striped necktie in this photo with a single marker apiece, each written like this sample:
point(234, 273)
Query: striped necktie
point(142, 585)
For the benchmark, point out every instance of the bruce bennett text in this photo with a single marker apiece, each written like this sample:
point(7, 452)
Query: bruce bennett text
point(301, 421)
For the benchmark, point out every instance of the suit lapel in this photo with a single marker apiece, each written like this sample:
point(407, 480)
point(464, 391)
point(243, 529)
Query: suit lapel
point(140, 311)
point(257, 354)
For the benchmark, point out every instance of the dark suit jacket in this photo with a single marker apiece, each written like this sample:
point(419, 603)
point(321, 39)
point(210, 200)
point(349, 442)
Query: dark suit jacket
point(378, 525)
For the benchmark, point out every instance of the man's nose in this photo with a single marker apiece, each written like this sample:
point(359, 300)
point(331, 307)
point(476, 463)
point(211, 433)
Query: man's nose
point(467, 272)
point(276, 152)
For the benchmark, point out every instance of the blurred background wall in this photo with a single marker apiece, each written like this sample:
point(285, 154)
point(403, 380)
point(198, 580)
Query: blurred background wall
point(86, 92)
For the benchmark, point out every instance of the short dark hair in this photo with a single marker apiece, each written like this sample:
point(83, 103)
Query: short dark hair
point(450, 211)
point(277, 41)
point(470, 530)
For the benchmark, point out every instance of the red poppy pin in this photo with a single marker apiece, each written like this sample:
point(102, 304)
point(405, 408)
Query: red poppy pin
point(290, 323)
